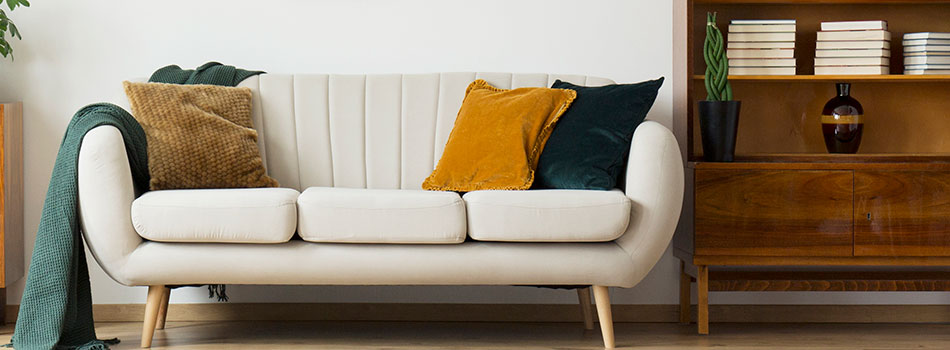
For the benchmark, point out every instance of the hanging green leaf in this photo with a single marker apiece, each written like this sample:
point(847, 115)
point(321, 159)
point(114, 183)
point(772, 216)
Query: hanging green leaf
point(4, 48)
point(12, 4)
point(7, 25)
point(14, 32)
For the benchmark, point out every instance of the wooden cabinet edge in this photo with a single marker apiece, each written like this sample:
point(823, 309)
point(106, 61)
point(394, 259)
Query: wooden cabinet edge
point(921, 164)
point(12, 192)
point(819, 261)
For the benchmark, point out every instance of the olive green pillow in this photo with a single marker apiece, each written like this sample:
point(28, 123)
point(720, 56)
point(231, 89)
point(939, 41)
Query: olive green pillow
point(589, 145)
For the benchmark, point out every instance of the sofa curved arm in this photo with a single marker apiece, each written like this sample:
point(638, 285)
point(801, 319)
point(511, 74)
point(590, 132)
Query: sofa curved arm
point(654, 184)
point(106, 192)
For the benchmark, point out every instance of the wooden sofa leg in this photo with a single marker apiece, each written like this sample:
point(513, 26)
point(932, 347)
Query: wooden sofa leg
point(685, 301)
point(702, 286)
point(152, 304)
point(602, 298)
point(583, 296)
point(163, 309)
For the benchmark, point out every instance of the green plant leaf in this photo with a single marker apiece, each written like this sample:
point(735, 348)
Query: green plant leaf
point(5, 48)
point(7, 25)
point(12, 4)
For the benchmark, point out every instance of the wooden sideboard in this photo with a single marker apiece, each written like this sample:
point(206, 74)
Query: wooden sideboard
point(11, 198)
point(788, 216)
point(831, 211)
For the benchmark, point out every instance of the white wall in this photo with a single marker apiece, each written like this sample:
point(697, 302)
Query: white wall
point(76, 52)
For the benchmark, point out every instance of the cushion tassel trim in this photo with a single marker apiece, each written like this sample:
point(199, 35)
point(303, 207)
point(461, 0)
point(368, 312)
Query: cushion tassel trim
point(93, 345)
point(218, 290)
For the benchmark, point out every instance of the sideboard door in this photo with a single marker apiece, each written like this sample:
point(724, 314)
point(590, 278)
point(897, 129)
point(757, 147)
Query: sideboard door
point(773, 212)
point(901, 213)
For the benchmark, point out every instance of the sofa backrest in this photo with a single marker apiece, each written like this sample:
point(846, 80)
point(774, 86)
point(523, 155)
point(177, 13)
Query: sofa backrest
point(384, 131)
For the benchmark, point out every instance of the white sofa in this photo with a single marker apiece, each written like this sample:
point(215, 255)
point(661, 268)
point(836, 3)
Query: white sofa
point(358, 148)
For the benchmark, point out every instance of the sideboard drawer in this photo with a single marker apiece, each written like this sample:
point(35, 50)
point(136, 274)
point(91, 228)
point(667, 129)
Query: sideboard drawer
point(901, 213)
point(774, 213)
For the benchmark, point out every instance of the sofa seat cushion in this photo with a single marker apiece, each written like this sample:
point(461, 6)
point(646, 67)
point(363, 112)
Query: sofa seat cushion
point(547, 215)
point(245, 215)
point(350, 215)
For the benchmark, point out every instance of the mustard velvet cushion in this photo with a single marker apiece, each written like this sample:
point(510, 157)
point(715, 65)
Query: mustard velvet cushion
point(199, 136)
point(497, 138)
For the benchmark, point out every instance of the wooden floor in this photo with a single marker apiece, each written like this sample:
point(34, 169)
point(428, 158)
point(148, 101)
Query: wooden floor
point(459, 335)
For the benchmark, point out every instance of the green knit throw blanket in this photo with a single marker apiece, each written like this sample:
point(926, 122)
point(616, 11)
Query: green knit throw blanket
point(56, 309)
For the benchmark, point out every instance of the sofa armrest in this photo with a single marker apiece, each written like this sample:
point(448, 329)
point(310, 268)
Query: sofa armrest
point(654, 184)
point(106, 192)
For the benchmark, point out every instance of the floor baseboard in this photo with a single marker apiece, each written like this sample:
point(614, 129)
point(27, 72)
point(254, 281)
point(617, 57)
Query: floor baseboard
point(517, 313)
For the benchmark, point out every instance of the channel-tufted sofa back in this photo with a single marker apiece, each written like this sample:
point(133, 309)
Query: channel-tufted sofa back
point(383, 131)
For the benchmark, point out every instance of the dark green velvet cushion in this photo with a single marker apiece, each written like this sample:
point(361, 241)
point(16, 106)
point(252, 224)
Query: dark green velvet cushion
point(589, 145)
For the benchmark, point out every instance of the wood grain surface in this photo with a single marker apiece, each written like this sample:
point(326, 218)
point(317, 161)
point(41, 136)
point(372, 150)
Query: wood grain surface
point(829, 281)
point(773, 213)
point(746, 260)
point(936, 161)
point(11, 193)
point(901, 213)
point(537, 336)
point(829, 286)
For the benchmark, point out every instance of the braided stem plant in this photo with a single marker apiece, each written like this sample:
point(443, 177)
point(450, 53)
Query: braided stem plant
point(717, 66)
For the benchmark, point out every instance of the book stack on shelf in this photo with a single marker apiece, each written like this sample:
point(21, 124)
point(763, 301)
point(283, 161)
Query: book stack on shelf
point(927, 53)
point(853, 47)
point(761, 47)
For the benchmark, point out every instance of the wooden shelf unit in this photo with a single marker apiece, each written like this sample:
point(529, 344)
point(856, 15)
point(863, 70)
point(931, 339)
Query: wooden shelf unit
point(783, 118)
point(823, 2)
point(891, 78)
point(786, 202)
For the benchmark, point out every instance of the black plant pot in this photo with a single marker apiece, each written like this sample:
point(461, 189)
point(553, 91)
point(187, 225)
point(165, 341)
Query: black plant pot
point(718, 123)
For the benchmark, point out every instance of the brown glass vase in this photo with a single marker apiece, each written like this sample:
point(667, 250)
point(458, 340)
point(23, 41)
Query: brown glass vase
point(842, 122)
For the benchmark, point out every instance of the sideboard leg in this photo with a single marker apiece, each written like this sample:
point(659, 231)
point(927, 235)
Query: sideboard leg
point(583, 296)
point(685, 302)
point(702, 286)
point(602, 298)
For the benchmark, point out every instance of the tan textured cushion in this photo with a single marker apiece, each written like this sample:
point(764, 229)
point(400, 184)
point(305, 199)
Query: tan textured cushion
point(199, 136)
